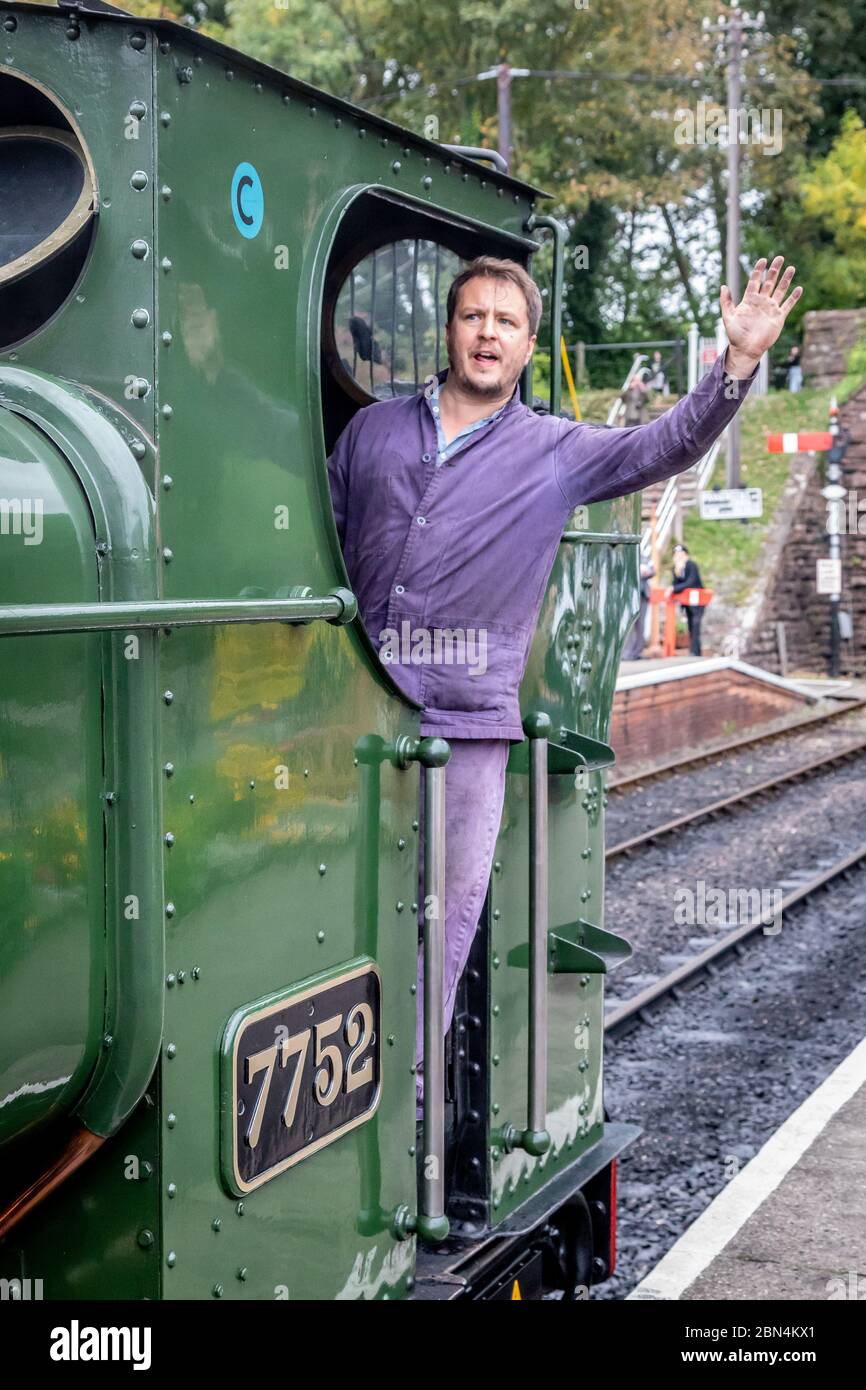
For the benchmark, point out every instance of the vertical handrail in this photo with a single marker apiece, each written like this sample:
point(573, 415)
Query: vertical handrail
point(560, 236)
point(538, 927)
point(433, 1177)
point(431, 1222)
point(535, 1139)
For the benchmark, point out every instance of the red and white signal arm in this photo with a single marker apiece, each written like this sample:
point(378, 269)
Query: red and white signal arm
point(804, 442)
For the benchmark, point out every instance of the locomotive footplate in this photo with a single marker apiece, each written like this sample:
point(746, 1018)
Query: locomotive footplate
point(478, 1267)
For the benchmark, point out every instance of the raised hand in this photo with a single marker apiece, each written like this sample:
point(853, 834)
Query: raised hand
point(755, 323)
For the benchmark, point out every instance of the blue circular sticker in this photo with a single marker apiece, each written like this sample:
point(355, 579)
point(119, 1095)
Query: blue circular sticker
point(248, 200)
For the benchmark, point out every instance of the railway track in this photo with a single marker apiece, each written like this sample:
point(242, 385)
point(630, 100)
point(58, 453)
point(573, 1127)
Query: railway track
point(812, 768)
point(631, 1011)
point(733, 745)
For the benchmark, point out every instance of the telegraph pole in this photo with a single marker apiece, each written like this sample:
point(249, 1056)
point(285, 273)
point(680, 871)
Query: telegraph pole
point(735, 59)
point(503, 94)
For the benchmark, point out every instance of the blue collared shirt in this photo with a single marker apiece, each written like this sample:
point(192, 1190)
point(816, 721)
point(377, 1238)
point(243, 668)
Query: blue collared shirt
point(445, 451)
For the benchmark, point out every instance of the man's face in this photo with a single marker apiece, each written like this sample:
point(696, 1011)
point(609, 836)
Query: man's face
point(488, 337)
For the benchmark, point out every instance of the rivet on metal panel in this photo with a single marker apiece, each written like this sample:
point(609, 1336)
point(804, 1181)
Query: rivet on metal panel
point(230, 77)
point(170, 909)
point(169, 981)
point(396, 166)
point(306, 772)
point(166, 264)
point(497, 866)
point(413, 907)
point(414, 825)
point(10, 24)
point(172, 1189)
point(320, 936)
point(169, 839)
point(427, 181)
point(167, 483)
point(171, 1119)
point(165, 193)
point(165, 47)
point(400, 905)
point(217, 1290)
point(181, 976)
point(216, 1224)
point(401, 843)
point(323, 869)
point(167, 555)
point(192, 798)
point(242, 1273)
point(139, 181)
point(362, 134)
point(110, 798)
point(586, 853)
point(311, 110)
point(138, 41)
point(239, 1209)
point(391, 1040)
point(171, 1050)
point(495, 1059)
point(165, 118)
point(258, 86)
point(496, 962)
point(413, 990)
point(167, 412)
point(140, 318)
point(496, 914)
point(584, 981)
point(171, 1259)
point(107, 1041)
point(496, 1010)
point(196, 972)
point(184, 75)
point(139, 249)
point(168, 696)
point(145, 1239)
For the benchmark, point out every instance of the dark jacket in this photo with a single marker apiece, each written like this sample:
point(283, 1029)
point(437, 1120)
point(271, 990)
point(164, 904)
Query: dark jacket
point(691, 578)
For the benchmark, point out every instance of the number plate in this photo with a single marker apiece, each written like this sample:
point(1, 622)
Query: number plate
point(298, 1070)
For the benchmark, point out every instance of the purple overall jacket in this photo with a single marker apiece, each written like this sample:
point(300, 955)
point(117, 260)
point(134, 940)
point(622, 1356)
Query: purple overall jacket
point(450, 563)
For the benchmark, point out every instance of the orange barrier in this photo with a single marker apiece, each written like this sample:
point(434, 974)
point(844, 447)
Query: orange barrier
point(693, 598)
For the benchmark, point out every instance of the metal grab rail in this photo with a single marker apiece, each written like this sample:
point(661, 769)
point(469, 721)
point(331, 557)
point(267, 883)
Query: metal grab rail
point(535, 1139)
point(560, 237)
point(431, 1222)
point(340, 606)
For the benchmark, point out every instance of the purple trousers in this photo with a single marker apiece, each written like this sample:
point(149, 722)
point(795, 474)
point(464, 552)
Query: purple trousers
point(474, 793)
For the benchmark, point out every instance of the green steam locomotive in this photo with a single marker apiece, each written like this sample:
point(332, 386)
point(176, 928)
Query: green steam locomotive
point(209, 830)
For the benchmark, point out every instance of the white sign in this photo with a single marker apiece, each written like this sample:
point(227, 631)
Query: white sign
point(829, 576)
point(732, 504)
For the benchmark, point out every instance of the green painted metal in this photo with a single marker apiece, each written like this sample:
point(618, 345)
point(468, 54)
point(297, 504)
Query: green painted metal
point(339, 607)
point(52, 914)
point(256, 780)
point(123, 512)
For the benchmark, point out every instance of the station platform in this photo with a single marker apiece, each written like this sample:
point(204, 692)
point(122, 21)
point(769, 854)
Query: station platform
point(792, 1223)
point(669, 707)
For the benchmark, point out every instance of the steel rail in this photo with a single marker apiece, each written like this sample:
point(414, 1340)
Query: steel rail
point(630, 1009)
point(725, 803)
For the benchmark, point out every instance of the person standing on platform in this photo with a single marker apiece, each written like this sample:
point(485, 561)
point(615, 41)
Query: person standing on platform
point(687, 576)
point(633, 649)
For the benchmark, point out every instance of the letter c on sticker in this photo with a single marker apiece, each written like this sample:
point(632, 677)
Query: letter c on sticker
point(248, 200)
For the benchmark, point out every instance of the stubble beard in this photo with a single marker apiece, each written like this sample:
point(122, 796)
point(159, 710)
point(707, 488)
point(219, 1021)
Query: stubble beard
point(486, 391)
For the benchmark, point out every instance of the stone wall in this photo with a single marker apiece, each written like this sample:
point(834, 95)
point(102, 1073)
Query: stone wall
point(791, 597)
point(828, 336)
